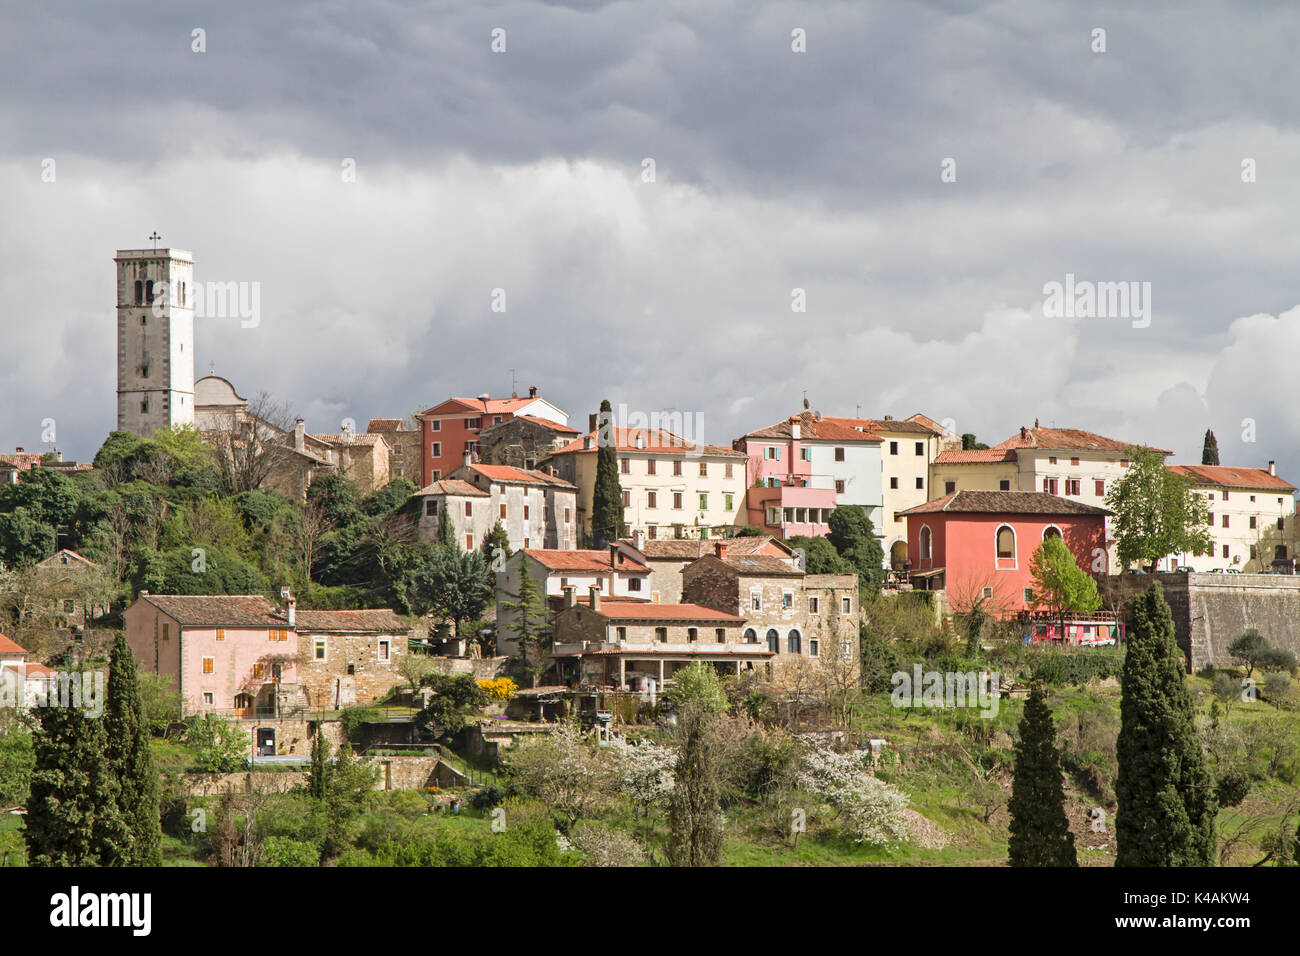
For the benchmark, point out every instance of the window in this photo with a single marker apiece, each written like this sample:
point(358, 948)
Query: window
point(259, 670)
point(277, 636)
point(473, 424)
point(839, 486)
point(772, 453)
point(846, 605)
point(839, 454)
point(813, 603)
point(634, 584)
point(1006, 542)
point(773, 641)
point(794, 642)
point(677, 467)
point(318, 646)
point(787, 599)
point(209, 665)
point(431, 508)
point(652, 499)
point(139, 292)
point(893, 448)
point(691, 635)
point(621, 633)
point(920, 448)
point(1281, 524)
point(1051, 531)
point(1252, 521)
point(920, 483)
point(1051, 460)
point(1049, 485)
point(1004, 484)
point(1123, 462)
point(653, 531)
point(566, 515)
point(751, 636)
point(627, 499)
point(496, 419)
point(949, 487)
point(661, 635)
point(1029, 595)
point(1072, 486)
point(755, 599)
point(1225, 521)
point(1225, 494)
point(720, 634)
point(208, 698)
point(1225, 550)
point(704, 501)
point(469, 509)
point(437, 449)
point(1074, 461)
point(650, 466)
point(728, 502)
point(1254, 552)
point(927, 543)
point(987, 592)
point(469, 542)
point(814, 647)
point(677, 499)
point(1099, 488)
point(221, 633)
point(525, 511)
point(704, 469)
point(893, 483)
point(167, 632)
point(385, 648)
point(726, 471)
point(625, 466)
point(805, 454)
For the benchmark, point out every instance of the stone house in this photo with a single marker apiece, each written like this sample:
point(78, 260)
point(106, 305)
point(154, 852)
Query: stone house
point(523, 440)
point(403, 447)
point(536, 509)
point(349, 657)
point(668, 557)
point(72, 579)
point(785, 610)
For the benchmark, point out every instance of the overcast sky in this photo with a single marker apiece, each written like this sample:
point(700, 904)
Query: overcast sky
point(774, 170)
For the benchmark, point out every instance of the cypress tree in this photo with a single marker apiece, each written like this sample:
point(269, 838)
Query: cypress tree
point(72, 813)
point(607, 497)
point(130, 758)
point(1210, 450)
point(446, 533)
point(318, 779)
point(1040, 832)
point(1165, 797)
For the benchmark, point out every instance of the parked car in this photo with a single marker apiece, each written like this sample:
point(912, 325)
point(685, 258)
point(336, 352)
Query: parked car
point(1183, 569)
point(1232, 570)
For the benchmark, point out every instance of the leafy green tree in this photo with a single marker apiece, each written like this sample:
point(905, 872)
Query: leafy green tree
point(16, 763)
point(820, 556)
point(531, 621)
point(130, 758)
point(389, 498)
point(1157, 512)
point(338, 498)
point(461, 585)
point(456, 698)
point(607, 498)
point(695, 808)
point(1164, 793)
point(24, 539)
point(72, 814)
point(854, 537)
point(182, 571)
point(968, 442)
point(350, 782)
point(160, 702)
point(1060, 585)
point(494, 541)
point(1250, 650)
point(318, 778)
point(1040, 831)
point(1210, 450)
point(218, 745)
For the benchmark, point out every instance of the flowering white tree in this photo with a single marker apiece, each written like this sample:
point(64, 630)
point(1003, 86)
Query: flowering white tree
point(645, 772)
point(565, 770)
point(871, 809)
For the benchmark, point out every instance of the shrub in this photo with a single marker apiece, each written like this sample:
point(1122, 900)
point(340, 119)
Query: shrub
point(283, 851)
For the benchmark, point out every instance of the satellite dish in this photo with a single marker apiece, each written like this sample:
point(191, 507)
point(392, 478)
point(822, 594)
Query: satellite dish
point(807, 404)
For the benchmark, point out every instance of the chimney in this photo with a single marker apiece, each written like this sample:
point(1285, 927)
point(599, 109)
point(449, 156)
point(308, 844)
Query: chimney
point(591, 422)
point(299, 435)
point(465, 458)
point(615, 556)
point(1024, 433)
point(532, 391)
point(720, 549)
point(794, 431)
point(594, 591)
point(570, 595)
point(292, 613)
point(1035, 423)
point(1272, 468)
point(19, 450)
point(588, 443)
point(638, 540)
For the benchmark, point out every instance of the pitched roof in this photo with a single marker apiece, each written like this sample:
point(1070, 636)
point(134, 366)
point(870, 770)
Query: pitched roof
point(970, 456)
point(218, 610)
point(1231, 477)
point(1005, 502)
point(346, 438)
point(689, 549)
point(384, 425)
point(490, 406)
point(928, 422)
point(635, 611)
point(7, 646)
point(750, 565)
point(651, 440)
point(20, 460)
point(453, 486)
point(518, 476)
point(545, 423)
point(1068, 439)
point(370, 620)
point(882, 424)
point(52, 559)
point(814, 429)
point(556, 559)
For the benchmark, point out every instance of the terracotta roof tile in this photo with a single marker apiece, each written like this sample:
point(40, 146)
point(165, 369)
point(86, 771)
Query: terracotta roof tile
point(1005, 502)
point(690, 549)
point(523, 476)
point(883, 424)
point(556, 559)
point(218, 610)
point(452, 486)
point(967, 456)
point(814, 429)
point(1068, 439)
point(8, 646)
point(630, 611)
point(369, 620)
point(1231, 477)
point(653, 440)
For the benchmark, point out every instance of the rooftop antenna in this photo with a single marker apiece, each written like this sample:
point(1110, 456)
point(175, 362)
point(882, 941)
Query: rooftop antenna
point(514, 385)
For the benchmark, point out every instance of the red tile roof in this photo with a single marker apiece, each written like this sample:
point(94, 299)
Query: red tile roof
point(631, 611)
point(814, 429)
point(652, 440)
point(547, 423)
point(370, 620)
point(218, 610)
point(453, 486)
point(1005, 502)
point(1068, 439)
point(475, 406)
point(689, 549)
point(1231, 477)
point(882, 424)
point(507, 473)
point(9, 647)
point(384, 425)
point(556, 559)
point(968, 456)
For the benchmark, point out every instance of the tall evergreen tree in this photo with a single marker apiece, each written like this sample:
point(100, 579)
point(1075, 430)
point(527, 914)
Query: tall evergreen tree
point(1040, 832)
point(607, 497)
point(318, 779)
point(72, 813)
point(1165, 796)
point(130, 758)
point(446, 532)
point(695, 808)
point(1210, 450)
point(531, 626)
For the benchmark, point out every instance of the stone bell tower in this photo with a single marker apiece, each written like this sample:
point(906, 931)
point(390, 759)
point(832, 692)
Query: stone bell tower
point(155, 339)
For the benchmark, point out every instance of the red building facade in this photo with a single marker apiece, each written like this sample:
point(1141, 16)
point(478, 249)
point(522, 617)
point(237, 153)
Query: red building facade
point(452, 428)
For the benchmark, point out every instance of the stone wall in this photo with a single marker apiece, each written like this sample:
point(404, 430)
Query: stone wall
point(1211, 610)
point(352, 673)
point(402, 772)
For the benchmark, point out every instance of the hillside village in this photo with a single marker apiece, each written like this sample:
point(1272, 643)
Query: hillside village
point(451, 596)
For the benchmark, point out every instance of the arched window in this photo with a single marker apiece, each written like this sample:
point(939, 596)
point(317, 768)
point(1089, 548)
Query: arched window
point(794, 643)
point(927, 543)
point(773, 641)
point(148, 292)
point(751, 636)
point(1051, 531)
point(1006, 540)
point(139, 292)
